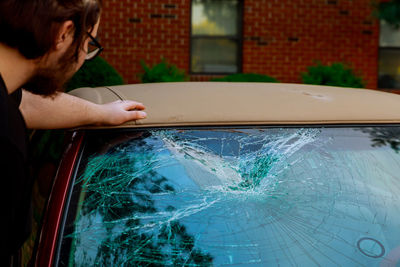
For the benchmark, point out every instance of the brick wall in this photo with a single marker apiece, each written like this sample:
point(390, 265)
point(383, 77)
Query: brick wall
point(280, 37)
point(149, 30)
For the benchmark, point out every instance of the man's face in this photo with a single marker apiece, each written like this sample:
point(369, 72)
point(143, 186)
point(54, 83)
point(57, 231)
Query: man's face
point(58, 67)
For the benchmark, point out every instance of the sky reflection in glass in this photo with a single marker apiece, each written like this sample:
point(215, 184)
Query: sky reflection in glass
point(265, 197)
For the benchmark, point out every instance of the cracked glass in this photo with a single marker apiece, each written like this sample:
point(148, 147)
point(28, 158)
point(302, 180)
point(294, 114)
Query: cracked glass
point(236, 197)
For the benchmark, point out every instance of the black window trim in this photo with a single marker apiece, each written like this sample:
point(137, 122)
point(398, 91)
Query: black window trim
point(382, 48)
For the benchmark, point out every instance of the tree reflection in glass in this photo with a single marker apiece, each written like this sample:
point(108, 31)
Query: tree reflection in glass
point(240, 196)
point(113, 226)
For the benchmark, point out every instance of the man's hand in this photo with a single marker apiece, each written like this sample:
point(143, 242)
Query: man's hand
point(67, 111)
point(119, 112)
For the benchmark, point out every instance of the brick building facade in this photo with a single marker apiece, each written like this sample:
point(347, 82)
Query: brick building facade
point(279, 38)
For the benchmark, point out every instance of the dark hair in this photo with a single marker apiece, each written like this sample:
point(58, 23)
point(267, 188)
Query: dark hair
point(31, 26)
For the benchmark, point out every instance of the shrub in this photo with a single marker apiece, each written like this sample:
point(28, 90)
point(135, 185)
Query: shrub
point(162, 72)
point(335, 75)
point(95, 73)
point(246, 77)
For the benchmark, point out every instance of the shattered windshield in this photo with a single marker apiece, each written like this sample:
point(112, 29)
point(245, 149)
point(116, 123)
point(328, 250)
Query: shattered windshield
point(237, 197)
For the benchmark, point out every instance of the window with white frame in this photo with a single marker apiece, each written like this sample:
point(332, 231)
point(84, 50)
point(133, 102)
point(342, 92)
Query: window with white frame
point(216, 36)
point(389, 57)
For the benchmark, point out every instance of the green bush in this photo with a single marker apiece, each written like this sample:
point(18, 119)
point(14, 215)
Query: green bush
point(95, 73)
point(162, 72)
point(335, 75)
point(246, 77)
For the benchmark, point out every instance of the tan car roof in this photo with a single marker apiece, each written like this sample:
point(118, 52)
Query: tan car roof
point(219, 103)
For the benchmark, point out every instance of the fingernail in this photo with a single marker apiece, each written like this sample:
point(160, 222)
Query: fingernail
point(142, 114)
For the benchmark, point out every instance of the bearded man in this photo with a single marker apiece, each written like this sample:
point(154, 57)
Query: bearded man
point(42, 44)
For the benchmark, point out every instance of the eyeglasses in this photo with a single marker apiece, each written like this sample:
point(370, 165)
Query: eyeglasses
point(94, 48)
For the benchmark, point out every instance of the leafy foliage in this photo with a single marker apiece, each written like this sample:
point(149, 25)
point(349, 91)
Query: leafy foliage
point(384, 136)
point(390, 12)
point(336, 74)
point(217, 14)
point(246, 77)
point(162, 72)
point(95, 73)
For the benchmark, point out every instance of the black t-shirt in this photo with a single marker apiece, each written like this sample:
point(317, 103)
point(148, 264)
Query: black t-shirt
point(16, 184)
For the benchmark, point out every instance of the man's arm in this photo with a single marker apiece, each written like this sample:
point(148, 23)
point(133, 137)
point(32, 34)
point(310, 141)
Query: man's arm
point(66, 111)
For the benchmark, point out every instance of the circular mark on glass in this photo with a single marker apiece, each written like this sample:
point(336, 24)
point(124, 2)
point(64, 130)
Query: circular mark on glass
point(371, 247)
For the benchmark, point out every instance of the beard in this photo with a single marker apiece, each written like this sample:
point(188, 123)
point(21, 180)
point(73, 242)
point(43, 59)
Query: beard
point(48, 81)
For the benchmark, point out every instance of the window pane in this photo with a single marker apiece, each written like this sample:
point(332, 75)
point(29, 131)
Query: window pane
point(389, 37)
point(215, 17)
point(238, 197)
point(389, 68)
point(214, 56)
